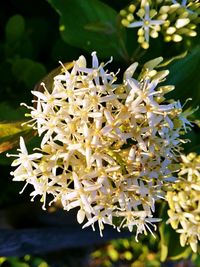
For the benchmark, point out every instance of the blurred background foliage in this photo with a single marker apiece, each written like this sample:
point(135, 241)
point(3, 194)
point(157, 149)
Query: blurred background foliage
point(34, 36)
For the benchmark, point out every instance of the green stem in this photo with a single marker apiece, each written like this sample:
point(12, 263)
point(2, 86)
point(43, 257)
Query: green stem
point(137, 54)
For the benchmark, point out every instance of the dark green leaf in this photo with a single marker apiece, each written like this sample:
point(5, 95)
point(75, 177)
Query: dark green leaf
point(184, 254)
point(90, 25)
point(7, 112)
point(64, 52)
point(28, 71)
point(15, 28)
point(184, 74)
point(164, 242)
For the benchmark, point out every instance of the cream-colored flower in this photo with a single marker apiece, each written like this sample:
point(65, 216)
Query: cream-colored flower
point(184, 202)
point(107, 148)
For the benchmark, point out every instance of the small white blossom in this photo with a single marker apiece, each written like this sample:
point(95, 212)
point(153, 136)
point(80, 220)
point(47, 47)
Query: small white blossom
point(183, 2)
point(147, 23)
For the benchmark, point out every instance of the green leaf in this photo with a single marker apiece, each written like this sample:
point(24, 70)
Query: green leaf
point(184, 74)
point(100, 27)
point(90, 25)
point(184, 254)
point(15, 28)
point(65, 52)
point(196, 259)
point(28, 71)
point(10, 113)
point(7, 129)
point(16, 262)
point(164, 233)
point(166, 62)
point(10, 133)
point(164, 242)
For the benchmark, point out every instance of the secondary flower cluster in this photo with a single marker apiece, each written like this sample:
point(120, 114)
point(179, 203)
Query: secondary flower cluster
point(107, 148)
point(184, 202)
point(173, 19)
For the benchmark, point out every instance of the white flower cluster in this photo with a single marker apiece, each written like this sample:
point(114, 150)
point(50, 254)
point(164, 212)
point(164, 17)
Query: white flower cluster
point(107, 148)
point(184, 202)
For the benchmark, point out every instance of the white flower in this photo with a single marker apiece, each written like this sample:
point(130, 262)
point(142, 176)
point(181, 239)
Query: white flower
point(183, 2)
point(24, 159)
point(146, 23)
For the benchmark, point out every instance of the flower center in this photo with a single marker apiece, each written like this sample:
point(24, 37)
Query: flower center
point(146, 22)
